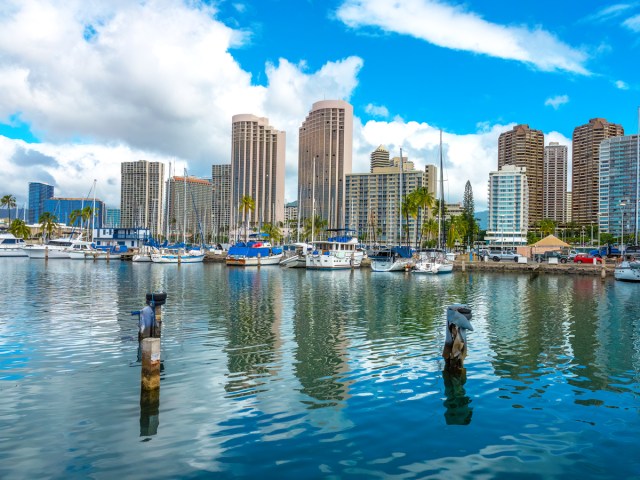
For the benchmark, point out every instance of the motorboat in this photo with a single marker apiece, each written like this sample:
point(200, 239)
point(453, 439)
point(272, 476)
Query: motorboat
point(628, 270)
point(433, 263)
point(339, 252)
point(253, 253)
point(299, 257)
point(10, 246)
point(91, 252)
point(55, 248)
point(396, 259)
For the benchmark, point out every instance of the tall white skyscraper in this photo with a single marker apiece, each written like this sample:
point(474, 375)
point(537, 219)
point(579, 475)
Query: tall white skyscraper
point(508, 206)
point(257, 170)
point(142, 195)
point(325, 149)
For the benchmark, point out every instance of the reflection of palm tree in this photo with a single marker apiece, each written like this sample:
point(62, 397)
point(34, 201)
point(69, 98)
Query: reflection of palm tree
point(48, 222)
point(19, 229)
point(247, 204)
point(8, 201)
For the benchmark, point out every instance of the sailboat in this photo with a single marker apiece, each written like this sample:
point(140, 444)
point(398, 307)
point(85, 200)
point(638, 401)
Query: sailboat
point(436, 262)
point(180, 254)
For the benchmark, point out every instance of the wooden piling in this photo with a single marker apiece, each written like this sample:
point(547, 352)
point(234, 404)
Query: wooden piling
point(603, 272)
point(150, 378)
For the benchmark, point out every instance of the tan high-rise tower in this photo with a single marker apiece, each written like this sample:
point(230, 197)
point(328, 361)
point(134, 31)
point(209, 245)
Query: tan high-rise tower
point(554, 205)
point(524, 147)
point(380, 158)
point(326, 143)
point(141, 195)
point(586, 167)
point(257, 170)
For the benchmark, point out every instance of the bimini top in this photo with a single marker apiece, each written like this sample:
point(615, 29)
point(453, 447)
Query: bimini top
point(344, 235)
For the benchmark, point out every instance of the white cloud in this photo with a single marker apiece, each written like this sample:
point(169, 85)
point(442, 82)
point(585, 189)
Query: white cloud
point(454, 27)
point(156, 80)
point(607, 13)
point(621, 85)
point(377, 110)
point(633, 23)
point(556, 101)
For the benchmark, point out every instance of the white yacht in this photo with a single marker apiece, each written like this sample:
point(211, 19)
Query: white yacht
point(299, 258)
point(628, 270)
point(396, 259)
point(335, 253)
point(56, 248)
point(10, 246)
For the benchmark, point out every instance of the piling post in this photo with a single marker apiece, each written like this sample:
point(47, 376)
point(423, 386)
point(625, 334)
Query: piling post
point(108, 254)
point(259, 261)
point(603, 272)
point(46, 253)
point(179, 259)
point(150, 378)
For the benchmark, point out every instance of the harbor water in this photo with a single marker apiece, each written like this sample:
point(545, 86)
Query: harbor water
point(287, 373)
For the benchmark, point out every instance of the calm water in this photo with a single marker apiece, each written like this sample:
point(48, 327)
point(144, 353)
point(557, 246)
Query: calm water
point(291, 374)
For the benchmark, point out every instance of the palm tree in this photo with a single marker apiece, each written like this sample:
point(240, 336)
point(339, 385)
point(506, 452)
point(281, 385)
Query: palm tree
point(19, 229)
point(319, 224)
point(74, 216)
point(547, 227)
point(48, 222)
point(8, 201)
point(86, 213)
point(274, 232)
point(457, 230)
point(247, 204)
point(410, 209)
point(425, 201)
point(430, 230)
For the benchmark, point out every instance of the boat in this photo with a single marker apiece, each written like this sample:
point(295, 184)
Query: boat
point(628, 270)
point(396, 259)
point(433, 263)
point(335, 253)
point(10, 246)
point(299, 257)
point(82, 251)
point(253, 253)
point(55, 248)
point(178, 256)
point(437, 261)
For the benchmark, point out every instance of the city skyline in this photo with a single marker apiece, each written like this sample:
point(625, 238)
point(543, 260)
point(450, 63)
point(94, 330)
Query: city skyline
point(88, 86)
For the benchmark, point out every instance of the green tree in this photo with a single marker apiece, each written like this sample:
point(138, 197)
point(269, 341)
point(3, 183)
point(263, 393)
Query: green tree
point(468, 211)
point(87, 212)
point(274, 232)
point(247, 205)
point(319, 225)
point(429, 230)
point(547, 227)
point(74, 216)
point(425, 201)
point(457, 230)
point(49, 223)
point(9, 202)
point(19, 229)
point(409, 209)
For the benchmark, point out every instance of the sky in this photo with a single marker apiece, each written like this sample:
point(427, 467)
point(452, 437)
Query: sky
point(87, 84)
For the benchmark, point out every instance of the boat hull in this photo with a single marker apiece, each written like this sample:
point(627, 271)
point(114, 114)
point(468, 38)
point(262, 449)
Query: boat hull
point(297, 261)
point(40, 252)
point(176, 258)
point(387, 266)
point(433, 268)
point(12, 252)
point(242, 261)
point(627, 272)
point(333, 261)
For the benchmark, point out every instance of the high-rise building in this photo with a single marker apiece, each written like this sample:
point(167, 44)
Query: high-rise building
point(112, 218)
point(291, 212)
point(189, 202)
point(257, 170)
point(554, 205)
point(569, 206)
point(325, 148)
point(141, 195)
point(586, 166)
point(373, 200)
point(63, 207)
point(38, 193)
point(619, 185)
point(221, 200)
point(380, 158)
point(508, 221)
point(524, 147)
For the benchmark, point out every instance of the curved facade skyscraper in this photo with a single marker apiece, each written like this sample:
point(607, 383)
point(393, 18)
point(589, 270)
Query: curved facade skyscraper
point(325, 149)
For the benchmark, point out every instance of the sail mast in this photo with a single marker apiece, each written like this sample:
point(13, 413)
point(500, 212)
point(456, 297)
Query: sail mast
point(637, 175)
point(400, 196)
point(441, 231)
point(313, 200)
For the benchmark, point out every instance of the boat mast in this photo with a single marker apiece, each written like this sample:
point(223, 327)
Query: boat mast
point(313, 200)
point(637, 175)
point(441, 232)
point(167, 219)
point(93, 210)
point(299, 208)
point(184, 210)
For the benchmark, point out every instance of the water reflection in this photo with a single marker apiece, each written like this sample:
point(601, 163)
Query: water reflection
point(457, 403)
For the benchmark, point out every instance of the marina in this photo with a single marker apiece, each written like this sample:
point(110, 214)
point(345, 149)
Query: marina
point(293, 373)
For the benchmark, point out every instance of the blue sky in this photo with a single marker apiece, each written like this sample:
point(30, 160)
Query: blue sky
point(87, 85)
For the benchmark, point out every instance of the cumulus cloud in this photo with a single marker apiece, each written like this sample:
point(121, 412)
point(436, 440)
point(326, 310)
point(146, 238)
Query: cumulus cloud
point(556, 101)
point(377, 110)
point(457, 28)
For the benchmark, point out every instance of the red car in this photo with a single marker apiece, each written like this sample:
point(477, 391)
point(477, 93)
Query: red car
point(586, 258)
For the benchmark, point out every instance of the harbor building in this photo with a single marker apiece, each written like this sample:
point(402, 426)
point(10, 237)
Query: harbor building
point(142, 195)
point(586, 168)
point(189, 207)
point(373, 201)
point(257, 170)
point(62, 208)
point(618, 199)
point(38, 193)
point(524, 147)
point(554, 204)
point(508, 220)
point(324, 159)
point(221, 199)
point(380, 158)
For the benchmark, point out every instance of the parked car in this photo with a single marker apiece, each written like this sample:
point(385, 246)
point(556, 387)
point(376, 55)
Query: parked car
point(497, 255)
point(544, 257)
point(586, 258)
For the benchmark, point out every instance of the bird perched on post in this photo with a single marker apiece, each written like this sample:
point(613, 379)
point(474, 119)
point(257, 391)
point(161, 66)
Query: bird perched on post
point(455, 344)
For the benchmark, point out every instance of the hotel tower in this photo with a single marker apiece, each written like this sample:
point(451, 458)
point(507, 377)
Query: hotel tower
point(141, 195)
point(324, 159)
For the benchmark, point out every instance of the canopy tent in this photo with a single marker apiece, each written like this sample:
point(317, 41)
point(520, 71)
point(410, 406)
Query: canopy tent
point(550, 241)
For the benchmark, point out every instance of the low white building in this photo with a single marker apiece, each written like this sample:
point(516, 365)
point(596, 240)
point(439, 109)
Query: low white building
point(128, 237)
